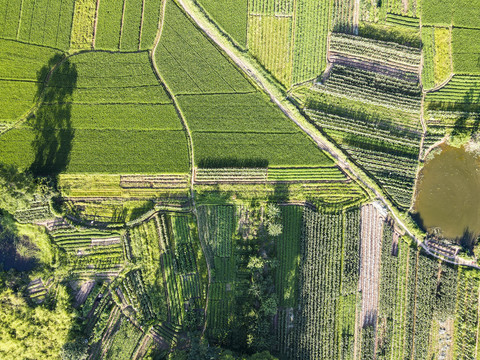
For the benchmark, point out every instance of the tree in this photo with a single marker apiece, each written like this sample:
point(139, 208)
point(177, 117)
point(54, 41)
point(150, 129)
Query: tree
point(272, 212)
point(275, 229)
point(31, 332)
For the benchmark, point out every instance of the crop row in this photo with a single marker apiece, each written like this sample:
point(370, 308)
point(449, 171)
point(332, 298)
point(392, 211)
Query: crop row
point(271, 7)
point(357, 109)
point(184, 250)
point(333, 193)
point(351, 251)
point(135, 292)
point(270, 41)
point(428, 42)
point(372, 88)
point(36, 212)
point(217, 225)
point(399, 20)
point(383, 52)
point(466, 315)
point(392, 165)
point(220, 310)
point(231, 174)
point(343, 15)
point(461, 89)
point(175, 300)
point(306, 174)
point(382, 131)
point(287, 248)
point(154, 181)
point(320, 280)
point(127, 25)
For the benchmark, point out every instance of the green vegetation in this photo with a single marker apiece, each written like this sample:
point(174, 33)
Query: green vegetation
point(127, 25)
point(342, 12)
point(124, 119)
point(132, 21)
point(466, 53)
point(442, 57)
point(460, 13)
point(274, 55)
point(311, 28)
point(462, 91)
point(83, 24)
point(110, 14)
point(33, 332)
point(156, 203)
point(380, 52)
point(21, 75)
point(150, 24)
point(428, 44)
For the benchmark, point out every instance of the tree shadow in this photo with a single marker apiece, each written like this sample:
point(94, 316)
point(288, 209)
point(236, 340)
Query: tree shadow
point(52, 125)
point(461, 128)
point(468, 240)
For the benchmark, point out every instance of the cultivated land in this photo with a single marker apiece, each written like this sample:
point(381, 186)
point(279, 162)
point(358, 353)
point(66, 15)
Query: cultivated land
point(232, 179)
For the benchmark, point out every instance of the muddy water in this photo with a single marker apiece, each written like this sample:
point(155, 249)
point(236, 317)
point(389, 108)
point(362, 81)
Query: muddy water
point(448, 192)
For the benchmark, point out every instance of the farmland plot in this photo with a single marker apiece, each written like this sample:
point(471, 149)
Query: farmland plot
point(83, 27)
point(270, 41)
point(39, 22)
point(343, 16)
point(371, 247)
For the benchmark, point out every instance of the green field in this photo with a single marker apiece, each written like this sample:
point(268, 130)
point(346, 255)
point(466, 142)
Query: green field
point(443, 55)
point(38, 22)
point(231, 16)
point(466, 53)
point(109, 24)
point(127, 25)
point(274, 55)
point(460, 13)
point(428, 41)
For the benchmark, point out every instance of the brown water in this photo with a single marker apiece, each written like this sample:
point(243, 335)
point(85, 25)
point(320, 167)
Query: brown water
point(448, 195)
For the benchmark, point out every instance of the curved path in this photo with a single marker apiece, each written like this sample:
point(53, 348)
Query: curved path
point(193, 11)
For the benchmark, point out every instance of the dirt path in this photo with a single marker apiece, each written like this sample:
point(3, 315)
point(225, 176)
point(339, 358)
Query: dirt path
point(441, 85)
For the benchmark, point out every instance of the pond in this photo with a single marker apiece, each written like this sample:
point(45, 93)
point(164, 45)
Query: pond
point(448, 193)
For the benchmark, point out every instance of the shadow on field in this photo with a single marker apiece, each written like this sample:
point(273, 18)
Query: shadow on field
point(52, 123)
point(469, 103)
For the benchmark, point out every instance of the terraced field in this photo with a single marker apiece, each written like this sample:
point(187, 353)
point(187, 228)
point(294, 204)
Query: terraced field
point(232, 179)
